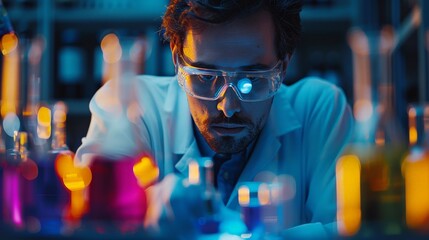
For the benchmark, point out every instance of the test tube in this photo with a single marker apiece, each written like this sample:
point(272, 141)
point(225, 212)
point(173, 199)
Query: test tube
point(250, 205)
point(271, 197)
point(17, 172)
point(201, 172)
point(52, 197)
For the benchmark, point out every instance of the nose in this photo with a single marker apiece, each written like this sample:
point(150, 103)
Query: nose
point(229, 103)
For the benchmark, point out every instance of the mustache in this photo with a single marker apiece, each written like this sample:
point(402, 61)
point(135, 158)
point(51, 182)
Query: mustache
point(235, 119)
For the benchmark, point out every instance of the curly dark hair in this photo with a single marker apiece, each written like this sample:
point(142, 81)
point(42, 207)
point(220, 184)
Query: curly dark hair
point(184, 14)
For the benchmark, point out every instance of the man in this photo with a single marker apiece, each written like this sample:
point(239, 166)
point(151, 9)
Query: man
point(228, 102)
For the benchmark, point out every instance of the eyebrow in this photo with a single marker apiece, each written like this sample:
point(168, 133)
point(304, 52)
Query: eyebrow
point(257, 66)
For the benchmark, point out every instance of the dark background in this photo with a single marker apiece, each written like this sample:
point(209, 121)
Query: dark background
point(72, 61)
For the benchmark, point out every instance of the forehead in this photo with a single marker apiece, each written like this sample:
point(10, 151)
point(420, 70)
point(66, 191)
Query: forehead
point(246, 40)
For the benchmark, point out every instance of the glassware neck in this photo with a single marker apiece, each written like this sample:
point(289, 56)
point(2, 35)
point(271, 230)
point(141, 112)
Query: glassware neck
point(59, 127)
point(418, 125)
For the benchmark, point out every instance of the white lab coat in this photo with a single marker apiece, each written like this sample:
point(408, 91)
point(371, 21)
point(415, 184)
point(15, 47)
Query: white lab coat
point(309, 125)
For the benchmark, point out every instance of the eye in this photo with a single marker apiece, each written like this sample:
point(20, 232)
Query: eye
point(245, 85)
point(206, 78)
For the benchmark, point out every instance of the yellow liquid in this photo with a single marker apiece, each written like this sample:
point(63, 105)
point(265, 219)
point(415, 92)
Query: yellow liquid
point(382, 189)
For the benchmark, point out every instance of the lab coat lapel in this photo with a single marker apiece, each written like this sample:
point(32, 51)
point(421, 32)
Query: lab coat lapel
point(265, 154)
point(184, 146)
point(192, 152)
point(262, 159)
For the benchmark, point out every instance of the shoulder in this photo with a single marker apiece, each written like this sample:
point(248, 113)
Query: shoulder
point(313, 89)
point(316, 102)
point(314, 94)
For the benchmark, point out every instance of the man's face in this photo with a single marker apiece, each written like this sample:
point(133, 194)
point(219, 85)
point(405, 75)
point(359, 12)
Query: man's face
point(229, 124)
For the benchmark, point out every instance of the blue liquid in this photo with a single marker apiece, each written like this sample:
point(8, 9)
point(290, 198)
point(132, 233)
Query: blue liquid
point(252, 217)
point(51, 196)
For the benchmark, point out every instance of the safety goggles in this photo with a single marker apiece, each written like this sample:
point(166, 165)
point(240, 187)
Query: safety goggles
point(211, 84)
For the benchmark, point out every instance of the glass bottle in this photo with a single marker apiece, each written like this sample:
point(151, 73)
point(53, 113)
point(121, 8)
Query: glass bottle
point(382, 181)
point(416, 169)
point(18, 172)
point(52, 196)
point(2, 165)
point(210, 221)
point(251, 207)
point(350, 195)
point(379, 143)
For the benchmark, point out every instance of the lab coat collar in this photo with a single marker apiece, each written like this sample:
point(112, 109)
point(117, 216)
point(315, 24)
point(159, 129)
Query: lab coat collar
point(179, 119)
point(192, 153)
point(282, 119)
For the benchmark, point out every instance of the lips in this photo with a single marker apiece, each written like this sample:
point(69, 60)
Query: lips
point(228, 128)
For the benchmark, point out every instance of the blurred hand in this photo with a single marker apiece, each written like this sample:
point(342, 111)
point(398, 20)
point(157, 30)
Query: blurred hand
point(173, 207)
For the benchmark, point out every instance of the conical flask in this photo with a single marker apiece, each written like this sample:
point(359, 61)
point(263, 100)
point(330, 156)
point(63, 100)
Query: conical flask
point(382, 181)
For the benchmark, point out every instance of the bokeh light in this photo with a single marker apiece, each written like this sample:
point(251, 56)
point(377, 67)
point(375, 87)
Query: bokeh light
point(29, 169)
point(9, 42)
point(44, 123)
point(145, 171)
point(264, 194)
point(194, 172)
point(10, 75)
point(60, 112)
point(74, 177)
point(63, 163)
point(244, 196)
point(412, 123)
point(77, 178)
point(362, 110)
point(11, 124)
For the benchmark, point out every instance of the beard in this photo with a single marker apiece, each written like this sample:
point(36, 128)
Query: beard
point(229, 144)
